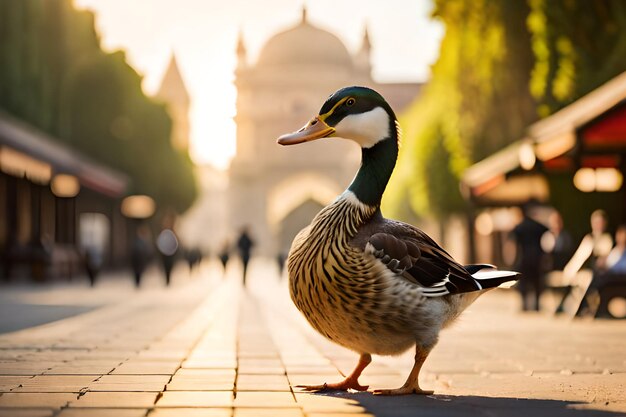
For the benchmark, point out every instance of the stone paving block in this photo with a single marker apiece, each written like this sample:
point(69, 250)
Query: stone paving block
point(203, 379)
point(162, 355)
point(268, 412)
point(316, 403)
point(313, 379)
point(254, 354)
point(132, 387)
point(214, 354)
point(191, 412)
point(30, 400)
point(264, 399)
point(200, 384)
point(130, 383)
point(304, 360)
point(23, 368)
point(130, 379)
point(278, 370)
point(104, 354)
point(7, 383)
point(79, 370)
point(115, 400)
point(450, 367)
point(206, 373)
point(313, 369)
point(56, 383)
point(26, 412)
point(102, 412)
point(262, 383)
point(494, 366)
point(51, 356)
point(146, 368)
point(196, 399)
point(210, 364)
point(259, 363)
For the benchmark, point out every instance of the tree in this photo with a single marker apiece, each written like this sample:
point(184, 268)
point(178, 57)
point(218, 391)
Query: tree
point(577, 45)
point(54, 76)
point(476, 102)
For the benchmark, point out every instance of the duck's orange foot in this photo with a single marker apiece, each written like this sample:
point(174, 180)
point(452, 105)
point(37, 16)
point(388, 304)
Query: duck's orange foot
point(344, 385)
point(404, 390)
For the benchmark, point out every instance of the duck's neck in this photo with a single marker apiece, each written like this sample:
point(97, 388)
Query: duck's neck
point(377, 164)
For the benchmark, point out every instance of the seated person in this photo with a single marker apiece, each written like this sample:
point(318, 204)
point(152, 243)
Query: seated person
point(593, 248)
point(608, 270)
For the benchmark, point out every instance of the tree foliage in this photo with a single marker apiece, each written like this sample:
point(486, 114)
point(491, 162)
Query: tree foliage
point(502, 65)
point(476, 101)
point(577, 45)
point(54, 75)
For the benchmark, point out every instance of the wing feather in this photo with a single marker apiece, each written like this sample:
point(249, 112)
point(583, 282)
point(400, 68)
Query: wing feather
point(412, 254)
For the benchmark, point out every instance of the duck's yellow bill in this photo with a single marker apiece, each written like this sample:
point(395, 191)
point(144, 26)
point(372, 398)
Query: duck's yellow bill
point(314, 129)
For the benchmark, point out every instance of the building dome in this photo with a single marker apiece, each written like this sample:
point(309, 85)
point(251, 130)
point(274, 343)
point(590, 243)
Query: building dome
point(304, 44)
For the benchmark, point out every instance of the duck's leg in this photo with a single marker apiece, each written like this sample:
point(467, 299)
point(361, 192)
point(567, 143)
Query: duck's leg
point(351, 381)
point(411, 386)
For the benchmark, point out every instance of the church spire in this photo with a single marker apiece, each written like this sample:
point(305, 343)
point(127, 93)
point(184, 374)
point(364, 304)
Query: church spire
point(366, 45)
point(174, 93)
point(172, 85)
point(241, 51)
point(363, 56)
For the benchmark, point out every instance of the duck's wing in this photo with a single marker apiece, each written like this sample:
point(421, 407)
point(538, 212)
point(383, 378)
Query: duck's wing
point(412, 254)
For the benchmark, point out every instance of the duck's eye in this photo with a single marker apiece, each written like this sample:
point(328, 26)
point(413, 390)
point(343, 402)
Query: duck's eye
point(350, 102)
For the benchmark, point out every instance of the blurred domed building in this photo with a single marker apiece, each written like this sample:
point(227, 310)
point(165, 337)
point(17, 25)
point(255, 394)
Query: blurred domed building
point(276, 190)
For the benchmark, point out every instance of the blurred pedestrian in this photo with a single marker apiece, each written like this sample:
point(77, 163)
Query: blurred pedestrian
point(245, 244)
point(93, 263)
point(280, 259)
point(167, 243)
point(593, 248)
point(141, 252)
point(193, 256)
point(611, 269)
point(557, 243)
point(224, 255)
point(528, 235)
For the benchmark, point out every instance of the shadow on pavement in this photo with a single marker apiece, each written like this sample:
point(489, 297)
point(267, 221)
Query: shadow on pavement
point(452, 406)
point(17, 316)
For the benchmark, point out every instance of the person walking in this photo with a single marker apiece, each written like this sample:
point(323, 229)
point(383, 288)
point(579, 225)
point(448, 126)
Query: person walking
point(167, 243)
point(141, 252)
point(528, 235)
point(224, 255)
point(245, 244)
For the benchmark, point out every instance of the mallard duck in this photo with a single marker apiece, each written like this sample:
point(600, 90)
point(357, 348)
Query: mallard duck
point(371, 284)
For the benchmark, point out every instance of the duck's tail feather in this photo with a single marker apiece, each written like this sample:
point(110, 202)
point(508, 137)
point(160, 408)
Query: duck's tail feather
point(491, 278)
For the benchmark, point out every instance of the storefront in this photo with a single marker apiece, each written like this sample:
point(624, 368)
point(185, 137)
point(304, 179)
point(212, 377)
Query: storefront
point(574, 161)
point(55, 206)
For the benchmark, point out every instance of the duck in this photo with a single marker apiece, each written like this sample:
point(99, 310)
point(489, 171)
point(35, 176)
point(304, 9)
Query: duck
point(371, 284)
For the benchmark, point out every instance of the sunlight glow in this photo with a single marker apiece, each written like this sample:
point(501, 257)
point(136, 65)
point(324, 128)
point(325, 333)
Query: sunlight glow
point(203, 35)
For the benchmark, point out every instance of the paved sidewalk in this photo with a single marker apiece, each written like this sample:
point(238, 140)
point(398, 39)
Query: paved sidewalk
point(208, 348)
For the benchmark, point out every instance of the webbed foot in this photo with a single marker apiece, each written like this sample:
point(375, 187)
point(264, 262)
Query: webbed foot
point(344, 385)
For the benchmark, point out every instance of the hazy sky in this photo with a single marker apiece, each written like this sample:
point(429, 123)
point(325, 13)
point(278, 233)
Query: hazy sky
point(203, 35)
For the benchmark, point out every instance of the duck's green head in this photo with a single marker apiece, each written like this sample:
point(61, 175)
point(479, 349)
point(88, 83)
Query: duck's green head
point(356, 113)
